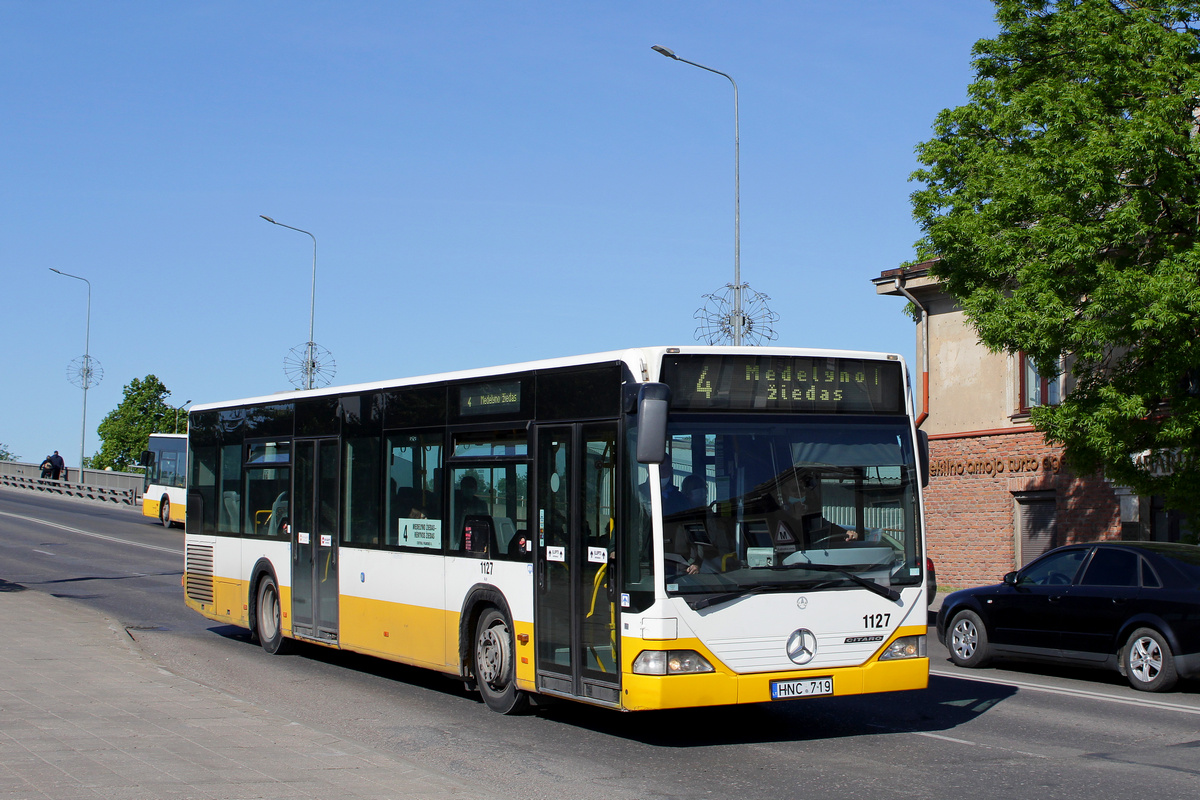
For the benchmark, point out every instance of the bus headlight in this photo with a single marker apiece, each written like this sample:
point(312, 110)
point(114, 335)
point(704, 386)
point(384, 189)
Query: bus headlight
point(905, 647)
point(670, 662)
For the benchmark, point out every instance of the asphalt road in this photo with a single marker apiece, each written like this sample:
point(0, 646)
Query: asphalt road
point(1000, 732)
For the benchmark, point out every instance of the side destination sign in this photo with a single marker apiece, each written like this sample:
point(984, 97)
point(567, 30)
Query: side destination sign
point(830, 385)
point(489, 398)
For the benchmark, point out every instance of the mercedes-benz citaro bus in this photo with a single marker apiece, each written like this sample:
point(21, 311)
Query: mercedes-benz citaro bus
point(654, 528)
point(165, 463)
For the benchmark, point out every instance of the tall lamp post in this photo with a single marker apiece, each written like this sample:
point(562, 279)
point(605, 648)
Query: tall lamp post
point(310, 364)
point(87, 370)
point(737, 317)
point(179, 411)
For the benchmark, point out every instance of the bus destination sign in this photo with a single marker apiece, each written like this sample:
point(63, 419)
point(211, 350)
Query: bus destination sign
point(784, 383)
point(489, 398)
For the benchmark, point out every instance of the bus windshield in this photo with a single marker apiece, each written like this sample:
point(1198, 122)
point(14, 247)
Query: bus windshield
point(786, 504)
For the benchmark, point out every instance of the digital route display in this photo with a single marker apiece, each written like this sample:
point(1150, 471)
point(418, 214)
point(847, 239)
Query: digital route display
point(827, 385)
point(489, 398)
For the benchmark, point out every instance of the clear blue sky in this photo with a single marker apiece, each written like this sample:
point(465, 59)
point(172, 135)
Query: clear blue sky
point(488, 182)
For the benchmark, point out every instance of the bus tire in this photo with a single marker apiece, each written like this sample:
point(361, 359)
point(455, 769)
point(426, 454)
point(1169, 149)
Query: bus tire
point(269, 613)
point(495, 671)
point(164, 512)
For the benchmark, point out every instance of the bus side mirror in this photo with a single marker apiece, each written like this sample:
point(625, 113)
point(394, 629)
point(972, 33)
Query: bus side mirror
point(147, 459)
point(653, 399)
point(923, 455)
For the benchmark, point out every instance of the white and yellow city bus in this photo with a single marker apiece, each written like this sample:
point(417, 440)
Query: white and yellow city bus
point(164, 488)
point(653, 528)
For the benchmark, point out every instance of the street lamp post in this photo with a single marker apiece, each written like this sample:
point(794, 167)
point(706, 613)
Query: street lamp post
point(310, 361)
point(738, 319)
point(178, 411)
point(85, 377)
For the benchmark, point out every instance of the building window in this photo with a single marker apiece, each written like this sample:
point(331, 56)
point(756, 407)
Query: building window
point(1037, 524)
point(1037, 390)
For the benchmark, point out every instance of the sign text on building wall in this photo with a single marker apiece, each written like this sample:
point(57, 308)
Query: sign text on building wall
point(993, 465)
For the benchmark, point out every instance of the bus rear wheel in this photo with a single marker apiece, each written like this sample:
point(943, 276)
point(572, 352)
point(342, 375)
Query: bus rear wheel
point(269, 612)
point(495, 672)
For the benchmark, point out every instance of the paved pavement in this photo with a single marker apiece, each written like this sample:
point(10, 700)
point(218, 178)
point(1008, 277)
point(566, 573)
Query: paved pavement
point(85, 714)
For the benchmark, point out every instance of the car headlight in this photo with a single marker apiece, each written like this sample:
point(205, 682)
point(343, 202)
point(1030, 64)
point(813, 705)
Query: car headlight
point(905, 647)
point(670, 662)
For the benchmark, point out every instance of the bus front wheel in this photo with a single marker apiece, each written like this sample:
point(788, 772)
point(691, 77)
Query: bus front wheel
point(495, 672)
point(270, 617)
point(164, 512)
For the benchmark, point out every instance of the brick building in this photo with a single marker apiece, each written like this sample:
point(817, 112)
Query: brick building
point(999, 495)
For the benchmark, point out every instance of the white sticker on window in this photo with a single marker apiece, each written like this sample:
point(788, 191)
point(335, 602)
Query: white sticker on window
point(556, 554)
point(326, 540)
point(597, 555)
point(424, 533)
point(302, 537)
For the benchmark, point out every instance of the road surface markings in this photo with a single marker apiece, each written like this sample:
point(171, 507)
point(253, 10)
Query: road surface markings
point(81, 532)
point(1140, 702)
point(977, 744)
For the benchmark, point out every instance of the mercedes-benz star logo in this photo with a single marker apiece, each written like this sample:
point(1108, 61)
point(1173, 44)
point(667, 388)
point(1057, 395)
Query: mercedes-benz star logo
point(802, 646)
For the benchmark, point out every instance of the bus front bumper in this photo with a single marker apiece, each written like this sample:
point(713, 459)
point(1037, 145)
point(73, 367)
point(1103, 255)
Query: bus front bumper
point(646, 692)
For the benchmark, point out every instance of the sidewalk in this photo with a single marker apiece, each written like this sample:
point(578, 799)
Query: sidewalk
point(83, 714)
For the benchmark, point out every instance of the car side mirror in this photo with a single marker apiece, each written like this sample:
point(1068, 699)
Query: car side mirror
point(1010, 578)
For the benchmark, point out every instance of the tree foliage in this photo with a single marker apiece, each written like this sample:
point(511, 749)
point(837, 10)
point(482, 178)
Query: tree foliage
point(125, 431)
point(1063, 201)
point(6, 454)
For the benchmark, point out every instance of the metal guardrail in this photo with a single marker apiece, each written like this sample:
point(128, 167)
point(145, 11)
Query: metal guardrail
point(101, 485)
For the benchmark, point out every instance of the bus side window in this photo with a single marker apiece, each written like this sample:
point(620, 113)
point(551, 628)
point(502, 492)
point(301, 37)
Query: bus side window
point(413, 493)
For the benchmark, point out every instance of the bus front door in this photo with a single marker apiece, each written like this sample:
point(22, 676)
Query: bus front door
point(315, 540)
point(576, 493)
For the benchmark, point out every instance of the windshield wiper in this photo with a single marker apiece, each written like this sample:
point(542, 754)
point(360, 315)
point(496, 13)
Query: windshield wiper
point(879, 589)
point(729, 597)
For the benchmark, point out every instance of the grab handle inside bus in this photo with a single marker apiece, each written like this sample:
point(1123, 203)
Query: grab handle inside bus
point(653, 399)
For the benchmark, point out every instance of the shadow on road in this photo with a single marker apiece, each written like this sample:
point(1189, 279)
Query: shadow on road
point(946, 704)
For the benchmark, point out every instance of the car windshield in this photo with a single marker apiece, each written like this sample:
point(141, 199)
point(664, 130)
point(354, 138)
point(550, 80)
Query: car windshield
point(751, 505)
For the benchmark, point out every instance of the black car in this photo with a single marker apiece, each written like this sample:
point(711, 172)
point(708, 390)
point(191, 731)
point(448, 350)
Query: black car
point(1129, 606)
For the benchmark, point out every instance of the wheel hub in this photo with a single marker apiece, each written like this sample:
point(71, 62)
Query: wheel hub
point(491, 657)
point(964, 640)
point(1145, 659)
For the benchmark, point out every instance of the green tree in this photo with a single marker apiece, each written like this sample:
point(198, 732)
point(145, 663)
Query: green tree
point(6, 454)
point(125, 431)
point(1063, 201)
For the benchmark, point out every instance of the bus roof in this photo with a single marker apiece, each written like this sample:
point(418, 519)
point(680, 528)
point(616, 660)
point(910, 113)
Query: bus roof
point(642, 361)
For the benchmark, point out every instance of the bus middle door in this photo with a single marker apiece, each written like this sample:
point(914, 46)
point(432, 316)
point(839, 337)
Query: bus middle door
point(575, 517)
point(315, 540)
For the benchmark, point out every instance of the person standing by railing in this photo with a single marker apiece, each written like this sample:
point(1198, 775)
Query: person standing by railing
point(57, 466)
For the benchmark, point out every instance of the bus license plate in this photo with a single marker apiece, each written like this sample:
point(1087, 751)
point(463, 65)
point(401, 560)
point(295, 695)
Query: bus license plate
point(808, 687)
